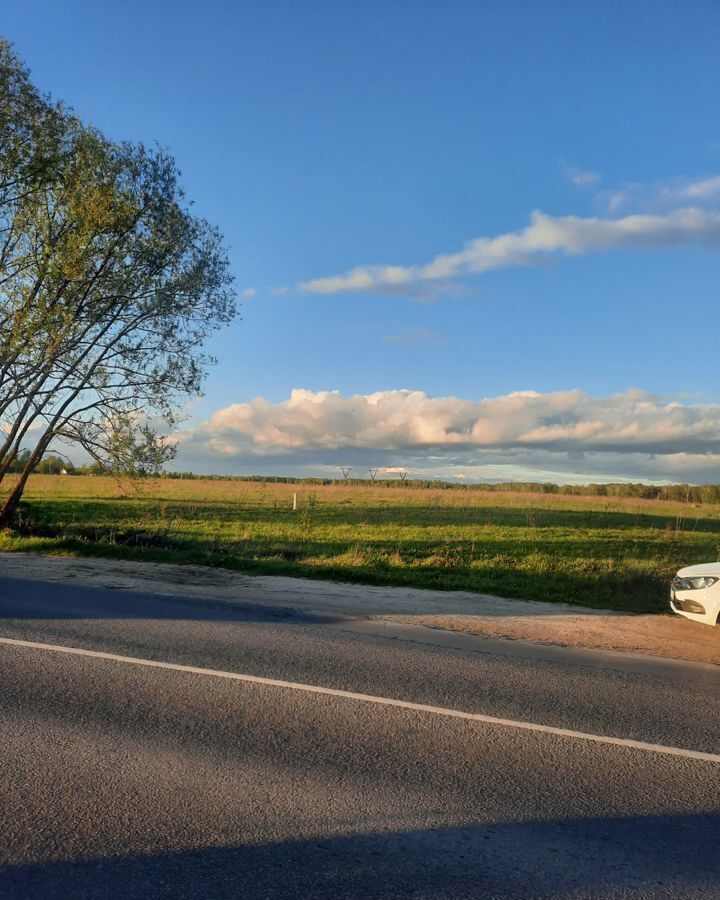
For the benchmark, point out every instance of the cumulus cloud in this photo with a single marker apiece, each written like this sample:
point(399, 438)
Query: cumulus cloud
point(543, 237)
point(575, 435)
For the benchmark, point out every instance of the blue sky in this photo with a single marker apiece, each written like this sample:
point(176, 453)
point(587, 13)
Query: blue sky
point(324, 138)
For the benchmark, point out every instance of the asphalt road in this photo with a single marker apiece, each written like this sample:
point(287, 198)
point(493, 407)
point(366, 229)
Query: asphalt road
point(130, 781)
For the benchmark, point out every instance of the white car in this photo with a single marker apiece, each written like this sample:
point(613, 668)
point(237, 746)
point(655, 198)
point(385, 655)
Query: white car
point(695, 593)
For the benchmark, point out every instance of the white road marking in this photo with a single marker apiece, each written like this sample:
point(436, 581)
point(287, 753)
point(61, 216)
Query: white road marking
point(369, 698)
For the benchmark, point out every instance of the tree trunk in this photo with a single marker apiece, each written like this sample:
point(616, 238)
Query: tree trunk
point(8, 511)
point(11, 503)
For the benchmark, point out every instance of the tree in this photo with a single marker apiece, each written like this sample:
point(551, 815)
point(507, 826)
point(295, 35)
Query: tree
point(115, 291)
point(54, 465)
point(32, 148)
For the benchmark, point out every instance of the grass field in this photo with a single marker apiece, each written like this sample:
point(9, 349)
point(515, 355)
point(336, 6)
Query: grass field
point(595, 551)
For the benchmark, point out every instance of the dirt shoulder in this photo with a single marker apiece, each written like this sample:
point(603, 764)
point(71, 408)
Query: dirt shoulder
point(668, 636)
point(480, 614)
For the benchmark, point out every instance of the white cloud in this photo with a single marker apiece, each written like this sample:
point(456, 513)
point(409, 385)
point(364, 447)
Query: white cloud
point(577, 436)
point(249, 292)
point(580, 177)
point(702, 189)
point(416, 336)
point(659, 216)
point(665, 195)
point(544, 236)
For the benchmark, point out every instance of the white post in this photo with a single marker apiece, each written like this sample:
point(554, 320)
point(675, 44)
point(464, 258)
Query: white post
point(294, 501)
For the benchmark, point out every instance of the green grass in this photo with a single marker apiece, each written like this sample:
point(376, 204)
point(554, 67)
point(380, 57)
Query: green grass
point(593, 551)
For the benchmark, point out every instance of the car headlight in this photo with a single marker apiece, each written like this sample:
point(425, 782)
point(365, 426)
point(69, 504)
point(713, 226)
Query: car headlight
point(693, 584)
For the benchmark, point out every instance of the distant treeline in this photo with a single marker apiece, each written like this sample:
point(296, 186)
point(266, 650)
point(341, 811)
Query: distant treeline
point(686, 493)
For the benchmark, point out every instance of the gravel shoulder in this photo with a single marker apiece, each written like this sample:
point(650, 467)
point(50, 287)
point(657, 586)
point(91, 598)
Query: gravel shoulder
point(560, 624)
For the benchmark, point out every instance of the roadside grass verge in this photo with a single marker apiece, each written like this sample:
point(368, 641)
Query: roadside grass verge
point(593, 551)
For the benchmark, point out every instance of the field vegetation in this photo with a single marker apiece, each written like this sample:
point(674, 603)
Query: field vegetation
point(597, 551)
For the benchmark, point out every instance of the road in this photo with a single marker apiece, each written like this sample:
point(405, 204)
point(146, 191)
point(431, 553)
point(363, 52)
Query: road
point(123, 779)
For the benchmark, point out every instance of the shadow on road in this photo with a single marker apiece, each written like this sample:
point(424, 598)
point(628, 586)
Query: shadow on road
point(25, 599)
point(33, 598)
point(653, 856)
